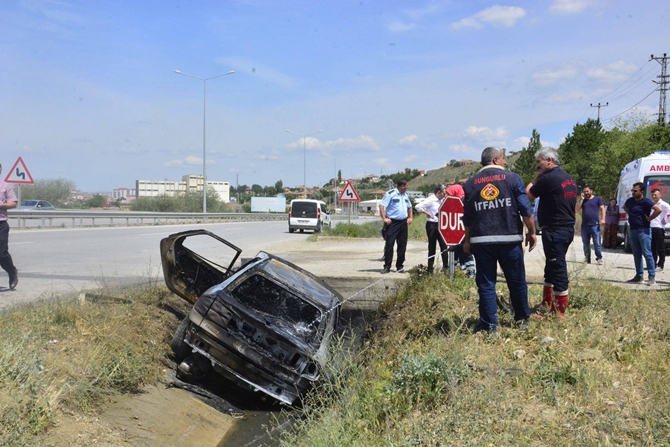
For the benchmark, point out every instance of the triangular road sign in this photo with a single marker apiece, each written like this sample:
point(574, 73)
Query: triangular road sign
point(19, 173)
point(349, 194)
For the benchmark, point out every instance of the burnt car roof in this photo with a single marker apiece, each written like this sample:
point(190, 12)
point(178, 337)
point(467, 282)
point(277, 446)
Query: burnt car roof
point(189, 274)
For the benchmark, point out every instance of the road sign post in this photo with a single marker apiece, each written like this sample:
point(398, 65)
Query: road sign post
point(19, 174)
point(450, 226)
point(350, 196)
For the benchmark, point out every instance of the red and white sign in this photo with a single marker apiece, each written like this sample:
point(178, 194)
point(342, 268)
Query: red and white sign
point(19, 173)
point(349, 194)
point(450, 219)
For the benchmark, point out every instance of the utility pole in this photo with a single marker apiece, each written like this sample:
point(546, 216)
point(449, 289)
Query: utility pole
point(599, 106)
point(237, 188)
point(662, 86)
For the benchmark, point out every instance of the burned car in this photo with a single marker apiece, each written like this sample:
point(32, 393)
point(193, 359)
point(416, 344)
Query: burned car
point(266, 325)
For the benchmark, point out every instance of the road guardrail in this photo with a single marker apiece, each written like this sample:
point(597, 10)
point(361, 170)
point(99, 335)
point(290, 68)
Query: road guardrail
point(22, 219)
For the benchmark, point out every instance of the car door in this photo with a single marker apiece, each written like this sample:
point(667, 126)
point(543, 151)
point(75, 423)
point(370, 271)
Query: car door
point(193, 261)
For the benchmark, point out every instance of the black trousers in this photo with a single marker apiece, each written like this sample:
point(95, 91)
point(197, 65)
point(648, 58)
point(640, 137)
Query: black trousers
point(433, 234)
point(658, 246)
point(5, 258)
point(396, 232)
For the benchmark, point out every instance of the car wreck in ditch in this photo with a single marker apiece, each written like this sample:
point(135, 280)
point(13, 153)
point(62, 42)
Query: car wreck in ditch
point(265, 325)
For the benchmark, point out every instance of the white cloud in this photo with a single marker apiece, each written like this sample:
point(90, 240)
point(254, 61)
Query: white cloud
point(567, 7)
point(408, 140)
point(189, 161)
point(485, 133)
point(128, 150)
point(498, 16)
point(557, 98)
point(399, 26)
point(309, 143)
point(409, 159)
point(552, 75)
point(360, 142)
point(613, 73)
point(462, 148)
point(419, 13)
point(522, 143)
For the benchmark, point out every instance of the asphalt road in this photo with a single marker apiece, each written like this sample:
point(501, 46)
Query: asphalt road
point(67, 261)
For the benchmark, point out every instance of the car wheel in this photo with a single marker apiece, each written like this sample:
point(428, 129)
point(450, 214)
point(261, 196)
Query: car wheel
point(291, 230)
point(626, 241)
point(302, 231)
point(180, 349)
point(318, 228)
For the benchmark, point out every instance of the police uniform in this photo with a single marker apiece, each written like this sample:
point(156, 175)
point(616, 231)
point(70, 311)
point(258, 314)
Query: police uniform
point(396, 207)
point(495, 200)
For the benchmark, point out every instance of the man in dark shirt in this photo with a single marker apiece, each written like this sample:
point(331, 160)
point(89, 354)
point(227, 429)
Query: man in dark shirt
point(592, 209)
point(641, 211)
point(494, 207)
point(556, 215)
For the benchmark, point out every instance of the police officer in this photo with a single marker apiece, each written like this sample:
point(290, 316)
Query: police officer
point(396, 212)
point(494, 200)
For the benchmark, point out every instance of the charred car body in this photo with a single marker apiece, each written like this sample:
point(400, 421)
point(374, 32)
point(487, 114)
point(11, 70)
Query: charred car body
point(265, 326)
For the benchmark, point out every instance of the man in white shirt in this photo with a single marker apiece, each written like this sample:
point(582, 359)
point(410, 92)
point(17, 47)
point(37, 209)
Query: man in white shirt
point(658, 229)
point(431, 207)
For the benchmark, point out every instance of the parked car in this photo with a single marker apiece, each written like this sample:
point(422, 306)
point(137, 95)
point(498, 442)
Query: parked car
point(41, 205)
point(306, 214)
point(265, 326)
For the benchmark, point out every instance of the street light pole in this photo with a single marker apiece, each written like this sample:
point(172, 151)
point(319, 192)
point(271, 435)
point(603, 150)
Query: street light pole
point(304, 151)
point(204, 132)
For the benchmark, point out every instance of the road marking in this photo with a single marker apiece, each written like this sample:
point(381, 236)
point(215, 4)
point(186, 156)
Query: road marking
point(19, 243)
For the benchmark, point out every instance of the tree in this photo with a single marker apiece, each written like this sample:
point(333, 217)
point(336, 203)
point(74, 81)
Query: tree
point(578, 151)
point(55, 191)
point(96, 201)
point(339, 176)
point(526, 165)
point(279, 186)
point(257, 189)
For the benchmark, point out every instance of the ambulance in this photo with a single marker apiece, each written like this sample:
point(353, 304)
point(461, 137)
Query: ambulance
point(652, 170)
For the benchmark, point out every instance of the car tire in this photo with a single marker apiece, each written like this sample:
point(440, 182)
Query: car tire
point(318, 228)
point(179, 348)
point(626, 241)
point(291, 230)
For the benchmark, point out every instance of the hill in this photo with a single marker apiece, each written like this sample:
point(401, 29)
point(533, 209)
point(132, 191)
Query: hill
point(448, 174)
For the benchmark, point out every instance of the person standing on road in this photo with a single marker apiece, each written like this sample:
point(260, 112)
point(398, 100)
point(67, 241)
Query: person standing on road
point(641, 211)
point(557, 191)
point(494, 201)
point(592, 210)
point(658, 230)
point(396, 212)
point(431, 207)
point(611, 224)
point(7, 202)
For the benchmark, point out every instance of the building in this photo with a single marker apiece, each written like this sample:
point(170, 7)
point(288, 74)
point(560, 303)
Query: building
point(190, 183)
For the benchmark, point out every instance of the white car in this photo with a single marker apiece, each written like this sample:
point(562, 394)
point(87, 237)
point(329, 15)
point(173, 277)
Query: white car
point(306, 214)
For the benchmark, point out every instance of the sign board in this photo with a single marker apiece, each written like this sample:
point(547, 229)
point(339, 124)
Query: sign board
point(19, 173)
point(268, 204)
point(349, 194)
point(450, 218)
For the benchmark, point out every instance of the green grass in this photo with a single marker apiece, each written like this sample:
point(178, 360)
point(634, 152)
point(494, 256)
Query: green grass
point(423, 379)
point(67, 355)
point(417, 230)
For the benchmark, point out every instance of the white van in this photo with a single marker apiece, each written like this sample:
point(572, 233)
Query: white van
point(305, 214)
point(652, 170)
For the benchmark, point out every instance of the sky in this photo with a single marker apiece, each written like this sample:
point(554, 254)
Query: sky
point(89, 93)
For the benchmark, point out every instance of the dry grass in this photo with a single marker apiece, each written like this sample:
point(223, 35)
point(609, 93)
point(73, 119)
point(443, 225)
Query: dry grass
point(66, 355)
point(424, 380)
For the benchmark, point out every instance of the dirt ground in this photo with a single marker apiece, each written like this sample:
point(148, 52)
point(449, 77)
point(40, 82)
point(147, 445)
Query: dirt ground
point(168, 416)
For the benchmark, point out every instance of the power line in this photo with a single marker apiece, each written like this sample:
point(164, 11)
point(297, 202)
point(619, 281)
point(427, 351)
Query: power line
point(662, 86)
point(618, 114)
point(621, 85)
point(637, 83)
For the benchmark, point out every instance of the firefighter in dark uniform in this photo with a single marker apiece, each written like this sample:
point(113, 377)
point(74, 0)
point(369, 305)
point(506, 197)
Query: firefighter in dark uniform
point(494, 207)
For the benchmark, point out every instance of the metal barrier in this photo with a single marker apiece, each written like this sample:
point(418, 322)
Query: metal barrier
point(20, 219)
